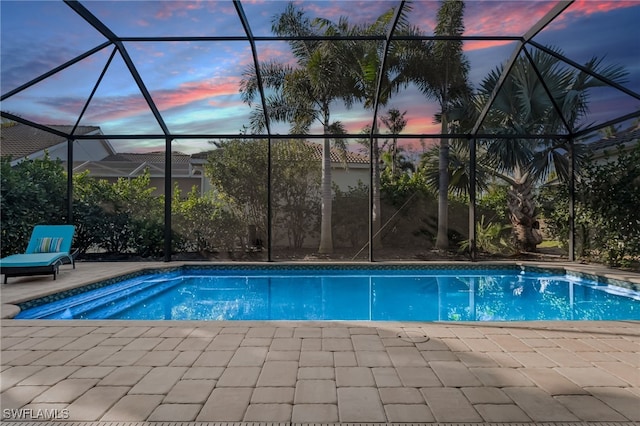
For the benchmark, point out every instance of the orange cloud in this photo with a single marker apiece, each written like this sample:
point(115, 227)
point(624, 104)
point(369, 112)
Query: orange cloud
point(470, 45)
point(422, 124)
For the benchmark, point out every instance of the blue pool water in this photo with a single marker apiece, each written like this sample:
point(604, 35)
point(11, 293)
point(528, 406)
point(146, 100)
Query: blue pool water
point(348, 294)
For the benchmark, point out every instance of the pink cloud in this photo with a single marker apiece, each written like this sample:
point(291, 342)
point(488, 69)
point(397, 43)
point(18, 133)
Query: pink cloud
point(516, 18)
point(115, 108)
point(589, 7)
point(120, 107)
point(196, 91)
point(180, 8)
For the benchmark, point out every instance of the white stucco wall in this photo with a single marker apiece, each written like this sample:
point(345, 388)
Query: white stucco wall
point(349, 177)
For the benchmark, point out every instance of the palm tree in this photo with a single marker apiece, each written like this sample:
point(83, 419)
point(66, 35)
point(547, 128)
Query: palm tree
point(302, 94)
point(458, 173)
point(447, 85)
point(395, 122)
point(363, 60)
point(523, 106)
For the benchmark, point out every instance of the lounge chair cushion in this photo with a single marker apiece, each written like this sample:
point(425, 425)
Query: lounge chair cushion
point(48, 245)
point(32, 260)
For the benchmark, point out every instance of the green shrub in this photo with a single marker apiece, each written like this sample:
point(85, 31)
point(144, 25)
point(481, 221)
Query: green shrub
point(32, 192)
point(606, 210)
point(491, 237)
point(350, 220)
point(611, 194)
point(205, 223)
point(121, 217)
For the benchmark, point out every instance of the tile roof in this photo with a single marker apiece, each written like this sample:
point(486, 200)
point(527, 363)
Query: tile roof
point(20, 140)
point(622, 138)
point(148, 157)
point(316, 152)
point(338, 157)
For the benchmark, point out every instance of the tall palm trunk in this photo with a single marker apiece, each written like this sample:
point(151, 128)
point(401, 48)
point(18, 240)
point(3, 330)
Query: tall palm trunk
point(326, 236)
point(394, 159)
point(442, 240)
point(525, 226)
point(375, 193)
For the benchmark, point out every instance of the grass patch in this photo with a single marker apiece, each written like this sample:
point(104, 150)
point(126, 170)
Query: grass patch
point(549, 244)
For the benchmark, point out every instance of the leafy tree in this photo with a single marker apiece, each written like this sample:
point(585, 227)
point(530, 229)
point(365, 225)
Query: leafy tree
point(303, 94)
point(296, 178)
point(607, 202)
point(133, 216)
point(32, 192)
point(89, 215)
point(494, 200)
point(523, 106)
point(611, 194)
point(238, 169)
point(123, 217)
point(237, 165)
point(397, 191)
point(205, 223)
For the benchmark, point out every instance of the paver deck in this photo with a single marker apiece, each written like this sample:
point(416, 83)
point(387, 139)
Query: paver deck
point(313, 372)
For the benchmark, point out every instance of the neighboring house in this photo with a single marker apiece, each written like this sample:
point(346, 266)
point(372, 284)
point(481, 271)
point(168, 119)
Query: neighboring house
point(19, 142)
point(130, 165)
point(346, 168)
point(607, 149)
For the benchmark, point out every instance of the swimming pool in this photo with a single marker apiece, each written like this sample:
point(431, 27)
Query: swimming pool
point(347, 293)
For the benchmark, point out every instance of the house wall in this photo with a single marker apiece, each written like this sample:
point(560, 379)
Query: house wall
point(184, 183)
point(350, 176)
point(611, 153)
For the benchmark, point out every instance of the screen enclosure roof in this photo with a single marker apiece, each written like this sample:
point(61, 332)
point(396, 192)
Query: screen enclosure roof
point(148, 71)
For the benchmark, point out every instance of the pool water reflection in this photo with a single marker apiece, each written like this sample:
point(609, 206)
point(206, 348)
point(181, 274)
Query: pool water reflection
point(377, 295)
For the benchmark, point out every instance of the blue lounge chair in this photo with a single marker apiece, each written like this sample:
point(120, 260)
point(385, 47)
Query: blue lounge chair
point(49, 247)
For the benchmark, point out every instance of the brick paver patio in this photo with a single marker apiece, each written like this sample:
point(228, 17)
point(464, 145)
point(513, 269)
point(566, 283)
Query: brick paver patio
point(318, 372)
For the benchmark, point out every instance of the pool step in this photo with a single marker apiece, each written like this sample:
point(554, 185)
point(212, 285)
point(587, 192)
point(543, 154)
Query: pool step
point(74, 306)
point(108, 310)
point(126, 298)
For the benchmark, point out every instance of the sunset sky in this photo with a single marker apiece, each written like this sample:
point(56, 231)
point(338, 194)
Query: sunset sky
point(195, 84)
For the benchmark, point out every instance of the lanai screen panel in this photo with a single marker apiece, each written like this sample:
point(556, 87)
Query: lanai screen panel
point(147, 73)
